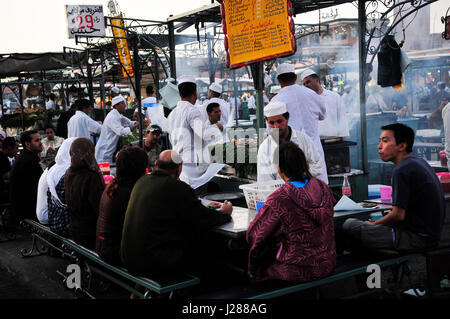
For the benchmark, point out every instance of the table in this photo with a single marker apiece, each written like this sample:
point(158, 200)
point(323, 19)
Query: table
point(242, 217)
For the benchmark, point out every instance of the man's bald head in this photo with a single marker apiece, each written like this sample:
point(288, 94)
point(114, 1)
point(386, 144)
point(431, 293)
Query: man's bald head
point(169, 161)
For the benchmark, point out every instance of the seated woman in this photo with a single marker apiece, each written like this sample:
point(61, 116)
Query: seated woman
point(131, 163)
point(84, 186)
point(292, 237)
point(58, 216)
point(51, 142)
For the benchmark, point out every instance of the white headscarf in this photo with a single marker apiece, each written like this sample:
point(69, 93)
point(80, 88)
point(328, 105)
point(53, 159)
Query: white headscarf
point(57, 171)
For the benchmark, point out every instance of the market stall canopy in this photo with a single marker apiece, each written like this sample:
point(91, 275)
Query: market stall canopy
point(14, 64)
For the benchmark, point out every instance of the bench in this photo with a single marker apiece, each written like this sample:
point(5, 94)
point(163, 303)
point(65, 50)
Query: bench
point(92, 263)
point(347, 266)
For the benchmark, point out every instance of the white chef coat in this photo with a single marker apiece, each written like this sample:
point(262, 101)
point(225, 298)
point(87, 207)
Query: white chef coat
point(114, 126)
point(335, 122)
point(251, 103)
point(446, 119)
point(82, 125)
point(224, 109)
point(266, 168)
point(213, 135)
point(50, 105)
point(306, 108)
point(186, 133)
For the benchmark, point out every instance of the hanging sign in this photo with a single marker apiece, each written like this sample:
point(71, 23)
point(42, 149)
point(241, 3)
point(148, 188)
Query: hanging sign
point(118, 30)
point(257, 30)
point(85, 20)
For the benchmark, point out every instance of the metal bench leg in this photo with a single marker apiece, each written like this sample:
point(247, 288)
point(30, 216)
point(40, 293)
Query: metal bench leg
point(34, 245)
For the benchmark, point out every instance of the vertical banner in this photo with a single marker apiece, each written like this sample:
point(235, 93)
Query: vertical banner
point(118, 30)
point(257, 30)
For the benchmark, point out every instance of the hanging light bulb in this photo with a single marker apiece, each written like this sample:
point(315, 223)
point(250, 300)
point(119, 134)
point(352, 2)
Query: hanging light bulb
point(72, 74)
point(90, 60)
point(149, 63)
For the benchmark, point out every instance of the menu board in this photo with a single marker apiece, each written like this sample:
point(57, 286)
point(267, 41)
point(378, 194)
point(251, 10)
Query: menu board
point(85, 20)
point(257, 30)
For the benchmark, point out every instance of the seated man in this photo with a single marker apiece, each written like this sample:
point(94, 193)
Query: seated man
point(292, 237)
point(418, 212)
point(277, 117)
point(165, 221)
point(152, 145)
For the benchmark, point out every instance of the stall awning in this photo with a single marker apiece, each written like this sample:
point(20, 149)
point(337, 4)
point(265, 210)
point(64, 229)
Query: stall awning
point(14, 64)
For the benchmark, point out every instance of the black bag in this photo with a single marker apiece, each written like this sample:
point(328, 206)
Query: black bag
point(389, 70)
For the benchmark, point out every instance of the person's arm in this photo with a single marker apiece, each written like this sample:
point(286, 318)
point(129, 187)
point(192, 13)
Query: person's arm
point(312, 155)
point(446, 120)
point(116, 126)
point(397, 214)
point(93, 126)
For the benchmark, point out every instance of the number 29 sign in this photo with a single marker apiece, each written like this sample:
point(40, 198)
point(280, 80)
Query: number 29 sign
point(85, 20)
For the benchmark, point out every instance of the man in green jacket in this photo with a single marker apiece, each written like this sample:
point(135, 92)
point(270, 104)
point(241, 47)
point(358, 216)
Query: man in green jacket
point(165, 222)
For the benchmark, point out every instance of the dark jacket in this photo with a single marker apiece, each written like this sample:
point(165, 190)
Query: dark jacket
point(61, 124)
point(84, 189)
point(292, 238)
point(110, 224)
point(24, 180)
point(163, 225)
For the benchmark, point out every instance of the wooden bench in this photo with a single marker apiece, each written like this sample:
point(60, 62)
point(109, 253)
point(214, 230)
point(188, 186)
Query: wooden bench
point(90, 262)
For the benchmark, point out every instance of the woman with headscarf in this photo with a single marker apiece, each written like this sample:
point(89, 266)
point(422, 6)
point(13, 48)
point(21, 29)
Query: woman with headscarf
point(58, 216)
point(131, 163)
point(84, 186)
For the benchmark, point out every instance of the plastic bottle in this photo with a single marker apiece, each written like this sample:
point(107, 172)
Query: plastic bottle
point(346, 189)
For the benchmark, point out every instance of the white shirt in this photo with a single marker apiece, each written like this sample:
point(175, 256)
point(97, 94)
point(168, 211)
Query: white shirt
point(82, 125)
point(50, 105)
point(335, 122)
point(446, 119)
point(251, 103)
point(266, 168)
point(213, 135)
point(224, 109)
point(41, 204)
point(186, 133)
point(114, 126)
point(153, 111)
point(306, 108)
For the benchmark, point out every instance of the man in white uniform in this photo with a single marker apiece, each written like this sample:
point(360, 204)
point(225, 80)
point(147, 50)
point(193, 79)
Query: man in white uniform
point(335, 122)
point(51, 105)
point(277, 116)
point(186, 129)
point(215, 90)
point(306, 108)
point(81, 124)
point(446, 120)
point(215, 132)
point(114, 126)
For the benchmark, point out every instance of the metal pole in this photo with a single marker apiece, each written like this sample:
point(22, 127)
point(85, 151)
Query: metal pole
point(21, 104)
point(362, 80)
point(173, 65)
point(156, 77)
point(210, 62)
point(137, 81)
point(1, 99)
point(236, 111)
point(102, 84)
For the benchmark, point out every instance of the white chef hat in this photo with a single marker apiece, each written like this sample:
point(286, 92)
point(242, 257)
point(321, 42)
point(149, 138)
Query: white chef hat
point(115, 89)
point(185, 79)
point(216, 88)
point(117, 99)
point(347, 87)
point(275, 108)
point(285, 68)
point(275, 89)
point(307, 73)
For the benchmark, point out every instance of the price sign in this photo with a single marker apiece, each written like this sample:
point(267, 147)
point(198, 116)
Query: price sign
point(257, 30)
point(85, 20)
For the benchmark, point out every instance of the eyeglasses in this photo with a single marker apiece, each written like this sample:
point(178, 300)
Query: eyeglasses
point(154, 132)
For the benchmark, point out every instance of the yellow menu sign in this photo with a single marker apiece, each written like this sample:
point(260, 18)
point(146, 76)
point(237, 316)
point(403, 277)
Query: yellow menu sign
point(122, 46)
point(257, 30)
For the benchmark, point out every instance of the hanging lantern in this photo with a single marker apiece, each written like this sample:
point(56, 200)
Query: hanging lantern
point(446, 21)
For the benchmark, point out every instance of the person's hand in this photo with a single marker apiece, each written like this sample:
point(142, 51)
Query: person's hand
point(220, 126)
point(215, 205)
point(371, 221)
point(226, 207)
point(134, 125)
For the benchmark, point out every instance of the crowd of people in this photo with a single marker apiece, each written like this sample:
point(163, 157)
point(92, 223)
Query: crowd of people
point(156, 225)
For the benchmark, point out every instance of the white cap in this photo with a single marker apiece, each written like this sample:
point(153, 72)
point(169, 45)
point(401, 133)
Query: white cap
point(117, 99)
point(115, 89)
point(307, 73)
point(347, 87)
point(275, 89)
point(186, 78)
point(216, 88)
point(275, 108)
point(285, 68)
